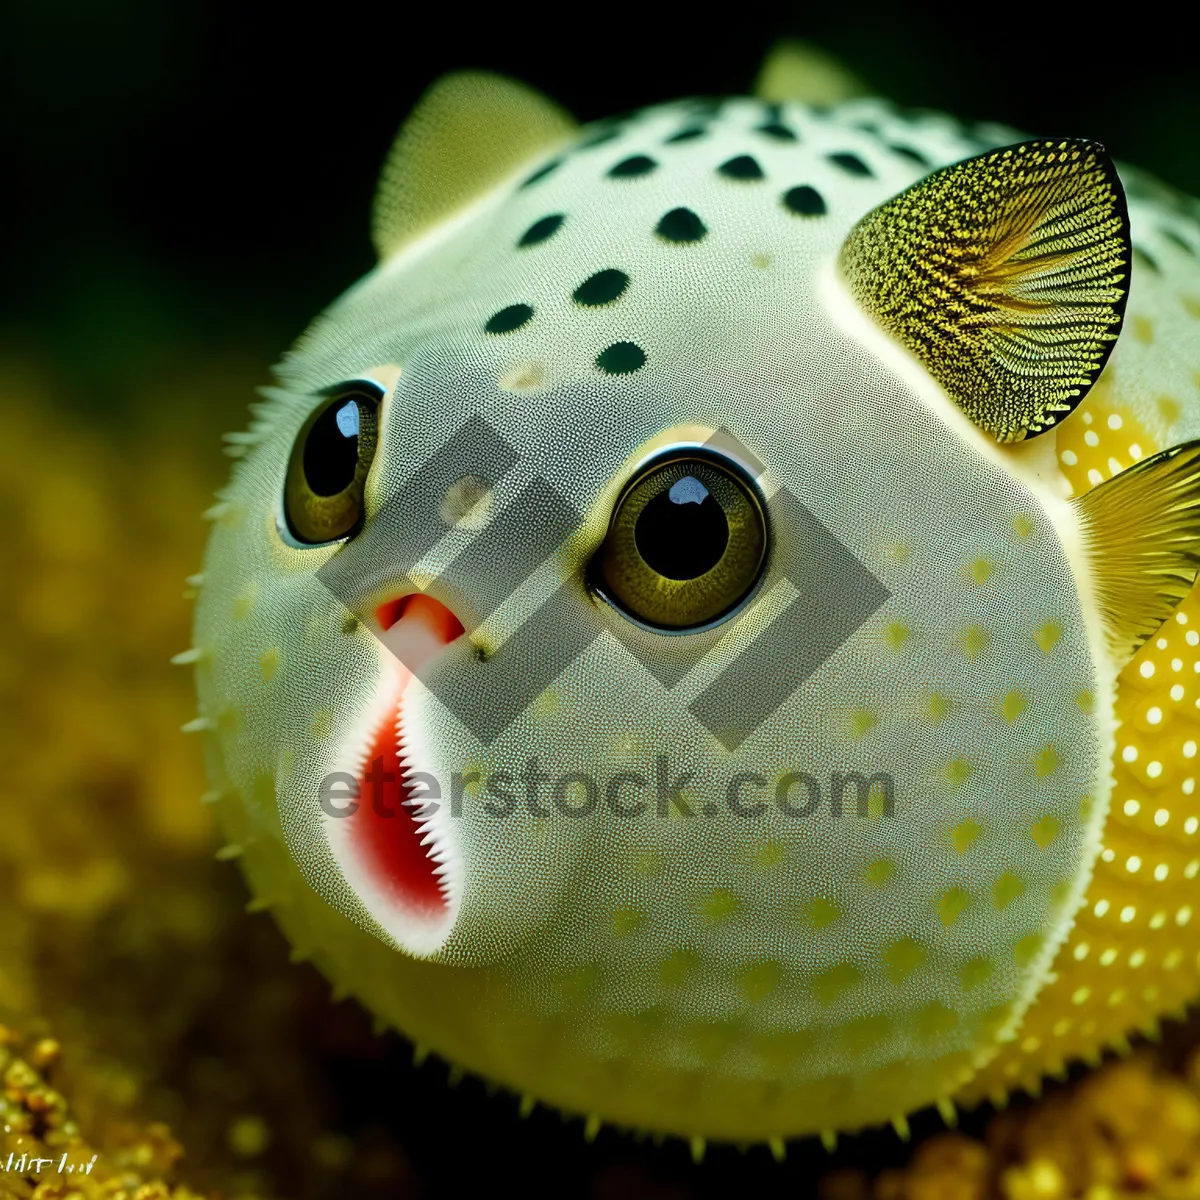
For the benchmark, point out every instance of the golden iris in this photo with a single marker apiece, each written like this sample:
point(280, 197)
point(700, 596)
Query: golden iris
point(685, 545)
point(329, 465)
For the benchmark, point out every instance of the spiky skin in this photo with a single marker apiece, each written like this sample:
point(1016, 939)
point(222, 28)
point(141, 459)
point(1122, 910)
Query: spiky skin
point(721, 977)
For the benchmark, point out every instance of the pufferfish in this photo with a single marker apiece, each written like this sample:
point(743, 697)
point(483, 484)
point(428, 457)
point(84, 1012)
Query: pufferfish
point(703, 634)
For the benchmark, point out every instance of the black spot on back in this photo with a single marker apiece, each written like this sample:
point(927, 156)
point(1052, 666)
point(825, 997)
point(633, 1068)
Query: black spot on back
point(781, 133)
point(539, 231)
point(805, 201)
point(508, 319)
point(542, 172)
point(983, 133)
point(602, 288)
point(912, 155)
point(630, 168)
point(1176, 240)
point(690, 134)
point(680, 225)
point(850, 163)
point(621, 358)
point(598, 137)
point(741, 167)
point(1140, 256)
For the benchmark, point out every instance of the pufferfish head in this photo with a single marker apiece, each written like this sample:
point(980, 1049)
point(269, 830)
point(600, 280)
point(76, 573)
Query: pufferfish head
point(649, 577)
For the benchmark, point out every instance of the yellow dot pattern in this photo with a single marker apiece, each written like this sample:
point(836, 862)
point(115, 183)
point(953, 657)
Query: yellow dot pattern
point(1102, 439)
point(957, 772)
point(1134, 953)
point(269, 661)
point(975, 972)
point(243, 603)
point(821, 912)
point(1047, 636)
point(880, 872)
point(936, 707)
point(675, 971)
point(903, 958)
point(953, 904)
point(717, 907)
point(1008, 888)
point(964, 835)
point(627, 921)
point(831, 984)
point(974, 641)
point(760, 980)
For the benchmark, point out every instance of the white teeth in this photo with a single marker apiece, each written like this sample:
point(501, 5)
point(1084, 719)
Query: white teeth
point(413, 932)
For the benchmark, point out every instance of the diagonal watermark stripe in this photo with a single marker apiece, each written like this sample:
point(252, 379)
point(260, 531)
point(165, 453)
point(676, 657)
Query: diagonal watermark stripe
point(509, 549)
point(835, 593)
point(488, 696)
point(411, 522)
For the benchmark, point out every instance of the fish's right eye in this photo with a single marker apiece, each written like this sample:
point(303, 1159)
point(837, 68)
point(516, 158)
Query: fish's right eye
point(685, 546)
point(323, 496)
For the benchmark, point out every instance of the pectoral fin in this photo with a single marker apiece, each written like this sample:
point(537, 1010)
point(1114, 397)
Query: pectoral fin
point(1143, 530)
point(468, 132)
point(1005, 275)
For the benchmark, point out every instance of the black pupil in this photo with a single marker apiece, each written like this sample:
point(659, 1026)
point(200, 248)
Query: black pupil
point(682, 532)
point(331, 449)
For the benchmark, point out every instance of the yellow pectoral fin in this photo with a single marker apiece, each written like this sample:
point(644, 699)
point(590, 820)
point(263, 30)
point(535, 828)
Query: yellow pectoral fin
point(1005, 275)
point(468, 132)
point(1143, 527)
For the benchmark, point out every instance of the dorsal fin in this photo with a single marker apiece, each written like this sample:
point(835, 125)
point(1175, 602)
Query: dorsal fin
point(794, 70)
point(1143, 530)
point(1005, 275)
point(468, 132)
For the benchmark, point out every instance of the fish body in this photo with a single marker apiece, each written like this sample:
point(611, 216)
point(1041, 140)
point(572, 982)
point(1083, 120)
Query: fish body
point(897, 808)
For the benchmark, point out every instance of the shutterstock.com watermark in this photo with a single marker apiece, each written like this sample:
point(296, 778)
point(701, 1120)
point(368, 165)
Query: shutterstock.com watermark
point(663, 794)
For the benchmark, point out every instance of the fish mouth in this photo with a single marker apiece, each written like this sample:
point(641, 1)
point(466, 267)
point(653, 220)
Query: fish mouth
point(399, 852)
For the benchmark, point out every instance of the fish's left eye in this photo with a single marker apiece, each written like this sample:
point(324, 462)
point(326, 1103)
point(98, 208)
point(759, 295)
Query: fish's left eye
point(685, 546)
point(323, 498)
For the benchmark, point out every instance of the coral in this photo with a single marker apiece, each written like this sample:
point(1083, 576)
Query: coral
point(1130, 1129)
point(43, 1155)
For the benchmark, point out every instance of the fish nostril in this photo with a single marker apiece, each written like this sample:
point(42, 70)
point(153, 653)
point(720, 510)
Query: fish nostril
point(418, 609)
point(415, 629)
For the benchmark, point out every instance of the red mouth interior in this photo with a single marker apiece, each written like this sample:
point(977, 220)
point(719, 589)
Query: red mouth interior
point(417, 628)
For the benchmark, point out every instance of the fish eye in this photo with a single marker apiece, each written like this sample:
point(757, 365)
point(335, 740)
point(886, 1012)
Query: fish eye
point(323, 496)
point(685, 545)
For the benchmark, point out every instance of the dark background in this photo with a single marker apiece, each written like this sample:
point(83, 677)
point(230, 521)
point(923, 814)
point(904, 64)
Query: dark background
point(191, 181)
point(201, 170)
